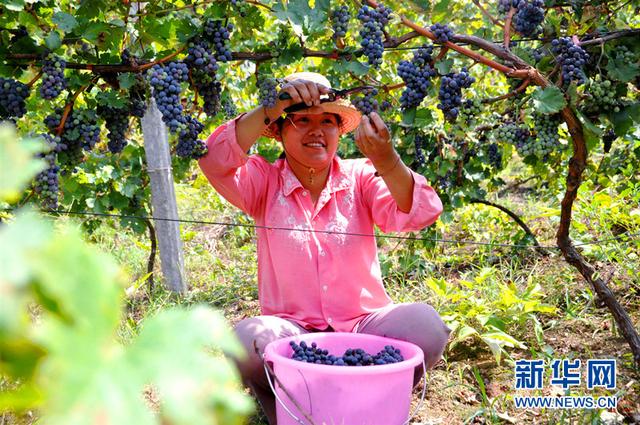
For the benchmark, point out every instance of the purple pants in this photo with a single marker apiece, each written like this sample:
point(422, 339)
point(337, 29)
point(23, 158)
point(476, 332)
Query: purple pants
point(413, 322)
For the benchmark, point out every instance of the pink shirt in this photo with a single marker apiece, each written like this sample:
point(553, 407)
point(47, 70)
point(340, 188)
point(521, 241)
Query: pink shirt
point(313, 278)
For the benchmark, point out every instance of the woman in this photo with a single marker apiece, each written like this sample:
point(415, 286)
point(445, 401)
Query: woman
point(316, 270)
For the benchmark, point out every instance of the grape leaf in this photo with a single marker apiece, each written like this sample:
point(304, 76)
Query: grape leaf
point(17, 167)
point(53, 40)
point(548, 101)
point(64, 21)
point(622, 122)
point(592, 133)
point(15, 5)
point(621, 70)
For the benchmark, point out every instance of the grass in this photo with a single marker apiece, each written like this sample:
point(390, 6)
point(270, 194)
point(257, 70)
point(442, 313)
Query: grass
point(540, 302)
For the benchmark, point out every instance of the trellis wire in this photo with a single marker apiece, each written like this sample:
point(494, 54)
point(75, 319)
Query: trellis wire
point(409, 238)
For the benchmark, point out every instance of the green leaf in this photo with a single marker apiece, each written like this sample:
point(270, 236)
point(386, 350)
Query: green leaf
point(621, 70)
point(64, 21)
point(126, 80)
point(424, 117)
point(15, 5)
point(548, 101)
point(18, 243)
point(53, 41)
point(95, 30)
point(622, 122)
point(444, 66)
point(634, 111)
point(592, 133)
point(17, 165)
point(408, 117)
point(355, 66)
point(441, 10)
point(425, 5)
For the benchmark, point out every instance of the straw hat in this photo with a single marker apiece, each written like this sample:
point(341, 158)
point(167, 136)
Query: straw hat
point(349, 115)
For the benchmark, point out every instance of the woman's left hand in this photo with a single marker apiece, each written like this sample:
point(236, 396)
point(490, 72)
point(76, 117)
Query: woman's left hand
point(374, 141)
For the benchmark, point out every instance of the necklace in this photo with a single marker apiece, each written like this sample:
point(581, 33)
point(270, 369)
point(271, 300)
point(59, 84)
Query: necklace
point(311, 173)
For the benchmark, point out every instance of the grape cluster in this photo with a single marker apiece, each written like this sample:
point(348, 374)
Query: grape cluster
point(47, 181)
point(117, 122)
point(470, 110)
point(12, 98)
point(189, 146)
point(217, 35)
point(385, 105)
point(450, 94)
point(373, 23)
point(547, 138)
point(53, 81)
point(495, 155)
point(514, 134)
point(240, 6)
point(268, 92)
point(229, 109)
point(351, 357)
point(165, 81)
point(420, 142)
point(200, 59)
point(210, 92)
point(529, 17)
point(442, 32)
point(622, 54)
point(340, 21)
point(81, 129)
point(138, 97)
point(417, 76)
point(366, 104)
point(601, 96)
point(572, 60)
point(607, 140)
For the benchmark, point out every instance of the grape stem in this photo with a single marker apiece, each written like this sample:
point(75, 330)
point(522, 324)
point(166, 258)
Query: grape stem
point(513, 93)
point(69, 105)
point(507, 27)
point(488, 15)
point(36, 78)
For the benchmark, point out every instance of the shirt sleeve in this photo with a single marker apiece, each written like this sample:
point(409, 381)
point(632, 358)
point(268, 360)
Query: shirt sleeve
point(426, 206)
point(241, 179)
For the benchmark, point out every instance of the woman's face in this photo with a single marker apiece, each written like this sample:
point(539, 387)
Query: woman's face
point(311, 139)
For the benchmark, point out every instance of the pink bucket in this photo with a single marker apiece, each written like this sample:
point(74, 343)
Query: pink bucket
point(342, 395)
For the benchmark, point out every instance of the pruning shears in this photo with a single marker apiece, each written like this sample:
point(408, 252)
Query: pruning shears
point(332, 96)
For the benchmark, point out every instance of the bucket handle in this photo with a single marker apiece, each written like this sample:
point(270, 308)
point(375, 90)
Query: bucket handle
point(424, 391)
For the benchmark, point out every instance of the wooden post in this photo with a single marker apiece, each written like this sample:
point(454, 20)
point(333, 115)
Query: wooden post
point(163, 197)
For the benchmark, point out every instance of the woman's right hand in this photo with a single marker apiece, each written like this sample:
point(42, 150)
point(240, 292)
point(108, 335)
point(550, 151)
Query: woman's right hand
point(301, 91)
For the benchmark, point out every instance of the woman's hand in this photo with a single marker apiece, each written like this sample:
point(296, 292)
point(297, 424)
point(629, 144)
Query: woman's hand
point(301, 91)
point(374, 141)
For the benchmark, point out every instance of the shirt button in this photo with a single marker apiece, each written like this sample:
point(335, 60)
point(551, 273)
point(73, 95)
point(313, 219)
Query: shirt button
point(304, 193)
point(329, 320)
point(324, 288)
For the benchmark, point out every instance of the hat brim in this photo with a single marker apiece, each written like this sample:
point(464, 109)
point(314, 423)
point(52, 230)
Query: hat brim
point(349, 117)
